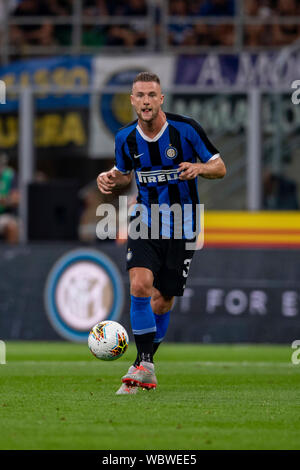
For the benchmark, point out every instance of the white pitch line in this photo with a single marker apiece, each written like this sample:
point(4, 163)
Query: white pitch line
point(200, 363)
point(246, 364)
point(50, 362)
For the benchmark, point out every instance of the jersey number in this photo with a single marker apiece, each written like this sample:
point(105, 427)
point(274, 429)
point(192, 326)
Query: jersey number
point(187, 264)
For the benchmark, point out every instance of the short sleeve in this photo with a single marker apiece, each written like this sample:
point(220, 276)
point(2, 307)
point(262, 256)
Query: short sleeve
point(203, 147)
point(123, 162)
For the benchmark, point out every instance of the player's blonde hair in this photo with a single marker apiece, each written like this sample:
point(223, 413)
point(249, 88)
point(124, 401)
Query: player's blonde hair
point(146, 77)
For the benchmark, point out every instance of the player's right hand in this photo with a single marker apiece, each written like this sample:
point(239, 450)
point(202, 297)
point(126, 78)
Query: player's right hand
point(106, 181)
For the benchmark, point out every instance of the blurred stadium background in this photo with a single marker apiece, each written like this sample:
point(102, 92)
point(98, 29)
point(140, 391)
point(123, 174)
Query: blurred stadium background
point(67, 66)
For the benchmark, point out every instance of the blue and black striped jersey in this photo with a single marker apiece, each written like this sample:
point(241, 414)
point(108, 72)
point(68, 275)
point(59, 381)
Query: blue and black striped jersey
point(155, 163)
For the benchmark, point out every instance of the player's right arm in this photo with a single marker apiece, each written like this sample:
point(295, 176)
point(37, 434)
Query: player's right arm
point(112, 179)
point(121, 174)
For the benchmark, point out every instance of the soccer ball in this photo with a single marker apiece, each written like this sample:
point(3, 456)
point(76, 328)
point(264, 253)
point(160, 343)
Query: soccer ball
point(108, 340)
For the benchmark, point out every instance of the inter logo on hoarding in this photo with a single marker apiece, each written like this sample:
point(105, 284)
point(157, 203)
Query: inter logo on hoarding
point(83, 288)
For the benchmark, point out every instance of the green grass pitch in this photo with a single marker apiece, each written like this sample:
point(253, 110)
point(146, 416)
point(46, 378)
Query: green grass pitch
point(58, 396)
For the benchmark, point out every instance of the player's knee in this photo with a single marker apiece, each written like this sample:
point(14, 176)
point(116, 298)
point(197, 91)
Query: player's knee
point(140, 287)
point(141, 282)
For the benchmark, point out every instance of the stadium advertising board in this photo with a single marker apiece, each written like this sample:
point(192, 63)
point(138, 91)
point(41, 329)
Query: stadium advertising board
point(61, 120)
point(59, 129)
point(245, 295)
point(229, 112)
point(62, 72)
point(87, 123)
point(238, 311)
point(266, 69)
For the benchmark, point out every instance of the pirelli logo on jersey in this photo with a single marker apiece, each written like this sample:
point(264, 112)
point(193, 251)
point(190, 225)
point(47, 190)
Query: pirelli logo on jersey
point(158, 176)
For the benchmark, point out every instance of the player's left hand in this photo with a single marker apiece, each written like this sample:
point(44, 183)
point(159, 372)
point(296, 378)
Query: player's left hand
point(188, 171)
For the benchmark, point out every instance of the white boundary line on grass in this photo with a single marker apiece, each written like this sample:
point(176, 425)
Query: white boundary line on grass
point(200, 363)
point(245, 363)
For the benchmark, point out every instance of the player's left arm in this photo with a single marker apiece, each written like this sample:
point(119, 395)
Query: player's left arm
point(213, 169)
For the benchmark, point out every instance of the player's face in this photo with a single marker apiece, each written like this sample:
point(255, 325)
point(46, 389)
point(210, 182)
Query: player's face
point(146, 99)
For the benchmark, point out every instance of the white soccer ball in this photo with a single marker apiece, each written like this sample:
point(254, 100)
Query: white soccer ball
point(108, 340)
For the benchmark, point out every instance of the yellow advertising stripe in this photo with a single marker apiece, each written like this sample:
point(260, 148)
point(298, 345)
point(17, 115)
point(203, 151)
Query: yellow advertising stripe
point(254, 220)
point(219, 237)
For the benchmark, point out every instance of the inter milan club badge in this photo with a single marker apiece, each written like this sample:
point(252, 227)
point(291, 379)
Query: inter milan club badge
point(171, 152)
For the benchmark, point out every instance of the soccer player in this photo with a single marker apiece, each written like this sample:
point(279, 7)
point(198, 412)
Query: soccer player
point(162, 149)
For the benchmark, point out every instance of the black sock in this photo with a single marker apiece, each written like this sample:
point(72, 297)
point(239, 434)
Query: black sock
point(138, 359)
point(155, 347)
point(144, 345)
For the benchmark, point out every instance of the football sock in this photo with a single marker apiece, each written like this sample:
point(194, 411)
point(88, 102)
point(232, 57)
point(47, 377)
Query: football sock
point(144, 345)
point(141, 316)
point(155, 347)
point(162, 323)
point(143, 327)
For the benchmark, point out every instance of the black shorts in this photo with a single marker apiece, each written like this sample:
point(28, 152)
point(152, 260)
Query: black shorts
point(168, 259)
